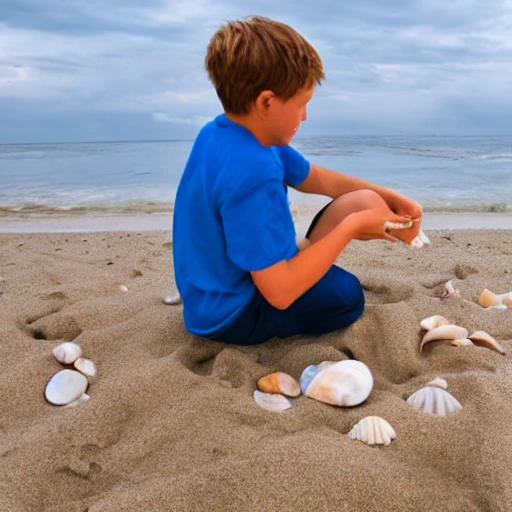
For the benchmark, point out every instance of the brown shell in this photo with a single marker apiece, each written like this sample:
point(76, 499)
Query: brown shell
point(279, 382)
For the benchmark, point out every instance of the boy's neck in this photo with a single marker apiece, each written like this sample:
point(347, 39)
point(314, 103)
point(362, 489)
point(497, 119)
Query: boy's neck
point(251, 123)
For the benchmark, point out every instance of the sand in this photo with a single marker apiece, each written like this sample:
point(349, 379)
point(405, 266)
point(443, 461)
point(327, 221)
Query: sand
point(171, 424)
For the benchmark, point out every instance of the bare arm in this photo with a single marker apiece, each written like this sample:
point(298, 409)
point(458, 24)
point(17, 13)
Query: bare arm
point(284, 282)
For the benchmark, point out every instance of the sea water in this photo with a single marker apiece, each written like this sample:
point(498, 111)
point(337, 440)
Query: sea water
point(444, 174)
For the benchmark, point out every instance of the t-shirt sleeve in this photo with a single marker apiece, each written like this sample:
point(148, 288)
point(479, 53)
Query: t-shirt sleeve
point(295, 166)
point(258, 227)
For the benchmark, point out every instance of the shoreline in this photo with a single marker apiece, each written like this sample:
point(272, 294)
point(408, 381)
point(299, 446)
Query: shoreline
point(90, 223)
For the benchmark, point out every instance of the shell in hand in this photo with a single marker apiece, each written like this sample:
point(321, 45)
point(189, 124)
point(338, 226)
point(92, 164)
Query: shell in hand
point(433, 399)
point(373, 430)
point(345, 383)
point(67, 352)
point(271, 401)
point(65, 387)
point(279, 382)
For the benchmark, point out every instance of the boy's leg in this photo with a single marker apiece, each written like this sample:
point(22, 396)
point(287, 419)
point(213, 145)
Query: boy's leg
point(334, 212)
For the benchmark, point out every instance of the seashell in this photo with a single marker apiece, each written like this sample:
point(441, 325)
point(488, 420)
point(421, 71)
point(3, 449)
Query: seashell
point(434, 400)
point(67, 352)
point(464, 342)
point(172, 299)
point(420, 241)
point(123, 288)
point(506, 299)
point(80, 400)
point(65, 387)
point(271, 401)
point(443, 333)
point(397, 225)
point(483, 339)
point(373, 430)
point(433, 321)
point(344, 383)
point(85, 366)
point(488, 299)
point(449, 291)
point(439, 382)
point(279, 382)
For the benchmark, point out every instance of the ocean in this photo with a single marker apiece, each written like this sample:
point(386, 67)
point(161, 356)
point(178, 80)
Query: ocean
point(444, 174)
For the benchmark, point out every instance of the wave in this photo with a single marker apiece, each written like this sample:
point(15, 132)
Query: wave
point(146, 207)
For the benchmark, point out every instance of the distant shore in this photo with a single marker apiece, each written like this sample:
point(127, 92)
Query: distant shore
point(96, 222)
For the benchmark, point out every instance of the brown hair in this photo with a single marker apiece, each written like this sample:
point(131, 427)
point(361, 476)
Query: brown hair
point(246, 57)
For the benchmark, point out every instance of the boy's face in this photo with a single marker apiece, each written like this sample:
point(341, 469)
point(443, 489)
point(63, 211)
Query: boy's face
point(284, 117)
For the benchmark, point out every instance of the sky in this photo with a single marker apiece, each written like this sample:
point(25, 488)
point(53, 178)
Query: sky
point(93, 70)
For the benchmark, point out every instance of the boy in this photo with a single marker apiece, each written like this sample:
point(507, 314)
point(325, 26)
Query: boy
point(239, 270)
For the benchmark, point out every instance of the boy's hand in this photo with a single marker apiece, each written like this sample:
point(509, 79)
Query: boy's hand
point(410, 209)
point(371, 224)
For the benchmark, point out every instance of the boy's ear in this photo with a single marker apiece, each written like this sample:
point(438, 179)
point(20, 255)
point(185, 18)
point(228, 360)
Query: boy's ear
point(263, 102)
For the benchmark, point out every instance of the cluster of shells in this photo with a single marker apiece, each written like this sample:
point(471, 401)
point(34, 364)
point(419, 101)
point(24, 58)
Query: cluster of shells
point(440, 329)
point(490, 299)
point(347, 384)
point(68, 387)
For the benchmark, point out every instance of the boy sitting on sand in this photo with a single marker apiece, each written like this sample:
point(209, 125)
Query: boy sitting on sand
point(239, 269)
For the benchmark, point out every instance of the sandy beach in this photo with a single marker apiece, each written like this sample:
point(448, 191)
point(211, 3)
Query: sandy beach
point(171, 424)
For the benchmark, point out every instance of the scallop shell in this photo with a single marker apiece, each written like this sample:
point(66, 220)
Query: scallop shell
point(123, 288)
point(67, 352)
point(431, 322)
point(439, 382)
point(65, 387)
point(484, 339)
point(434, 400)
point(271, 401)
point(373, 430)
point(85, 366)
point(172, 299)
point(443, 333)
point(279, 382)
point(344, 383)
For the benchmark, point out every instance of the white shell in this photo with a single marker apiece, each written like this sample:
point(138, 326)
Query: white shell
point(67, 352)
point(172, 299)
point(65, 387)
point(444, 332)
point(123, 288)
point(434, 400)
point(373, 430)
point(345, 383)
point(80, 400)
point(431, 322)
point(85, 366)
point(449, 291)
point(420, 241)
point(271, 401)
point(397, 225)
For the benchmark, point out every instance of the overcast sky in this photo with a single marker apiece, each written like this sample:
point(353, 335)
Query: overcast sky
point(87, 70)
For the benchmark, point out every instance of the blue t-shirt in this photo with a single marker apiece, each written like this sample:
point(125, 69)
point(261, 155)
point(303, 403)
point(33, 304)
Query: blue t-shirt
point(231, 216)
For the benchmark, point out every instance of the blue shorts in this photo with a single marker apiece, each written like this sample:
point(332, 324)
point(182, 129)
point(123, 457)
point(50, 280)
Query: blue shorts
point(336, 301)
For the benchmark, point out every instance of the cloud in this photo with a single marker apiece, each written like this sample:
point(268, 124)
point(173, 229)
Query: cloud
point(399, 66)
